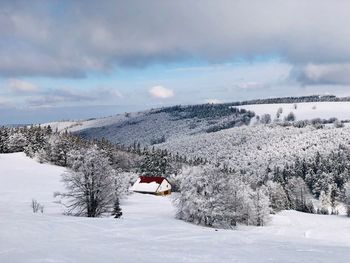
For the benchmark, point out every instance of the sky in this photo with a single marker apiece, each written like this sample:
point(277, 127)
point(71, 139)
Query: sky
point(62, 59)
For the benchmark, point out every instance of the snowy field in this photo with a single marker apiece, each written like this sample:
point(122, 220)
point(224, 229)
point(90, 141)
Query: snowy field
point(304, 110)
point(148, 231)
point(78, 125)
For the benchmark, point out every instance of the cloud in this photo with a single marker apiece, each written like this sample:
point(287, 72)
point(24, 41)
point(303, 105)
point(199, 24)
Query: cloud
point(4, 102)
point(16, 85)
point(323, 74)
point(249, 85)
point(161, 92)
point(62, 96)
point(70, 39)
point(213, 101)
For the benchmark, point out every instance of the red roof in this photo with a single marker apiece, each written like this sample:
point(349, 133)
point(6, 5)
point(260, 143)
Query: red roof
point(150, 179)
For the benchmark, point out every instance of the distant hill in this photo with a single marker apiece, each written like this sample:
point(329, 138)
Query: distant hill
point(311, 98)
point(233, 136)
point(157, 126)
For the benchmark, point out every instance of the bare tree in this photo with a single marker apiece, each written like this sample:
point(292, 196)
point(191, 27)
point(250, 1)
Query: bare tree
point(90, 185)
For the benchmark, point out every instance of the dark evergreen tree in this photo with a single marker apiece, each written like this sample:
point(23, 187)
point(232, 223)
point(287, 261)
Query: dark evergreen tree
point(117, 211)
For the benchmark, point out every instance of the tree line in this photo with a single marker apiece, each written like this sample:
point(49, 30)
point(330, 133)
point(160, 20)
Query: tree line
point(100, 174)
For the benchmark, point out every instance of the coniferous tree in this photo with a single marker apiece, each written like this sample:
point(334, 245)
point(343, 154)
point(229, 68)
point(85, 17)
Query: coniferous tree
point(117, 211)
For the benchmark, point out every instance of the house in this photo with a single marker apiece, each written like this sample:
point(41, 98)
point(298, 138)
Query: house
point(152, 185)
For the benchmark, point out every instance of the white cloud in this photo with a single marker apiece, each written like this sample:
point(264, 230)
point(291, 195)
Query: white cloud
point(249, 85)
point(161, 92)
point(296, 30)
point(17, 85)
point(4, 101)
point(323, 74)
point(61, 96)
point(213, 101)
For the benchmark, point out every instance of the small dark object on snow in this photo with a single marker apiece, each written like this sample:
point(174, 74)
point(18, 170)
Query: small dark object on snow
point(117, 211)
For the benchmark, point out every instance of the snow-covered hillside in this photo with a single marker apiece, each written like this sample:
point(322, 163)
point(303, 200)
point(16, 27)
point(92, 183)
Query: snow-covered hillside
point(254, 148)
point(154, 125)
point(148, 231)
point(245, 148)
point(304, 110)
point(77, 125)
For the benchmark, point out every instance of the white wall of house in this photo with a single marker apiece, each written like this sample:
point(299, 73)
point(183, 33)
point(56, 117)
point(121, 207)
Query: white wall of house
point(164, 186)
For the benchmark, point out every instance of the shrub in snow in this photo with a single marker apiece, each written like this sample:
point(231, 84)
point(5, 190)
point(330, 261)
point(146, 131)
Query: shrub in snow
point(36, 206)
point(317, 123)
point(290, 117)
point(265, 119)
point(279, 112)
point(301, 123)
point(213, 198)
point(338, 124)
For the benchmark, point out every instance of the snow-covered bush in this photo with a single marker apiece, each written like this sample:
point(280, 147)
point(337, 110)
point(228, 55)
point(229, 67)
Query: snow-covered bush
point(265, 119)
point(279, 112)
point(213, 198)
point(290, 117)
point(338, 124)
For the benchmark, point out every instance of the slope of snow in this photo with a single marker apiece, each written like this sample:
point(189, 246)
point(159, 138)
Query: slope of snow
point(78, 125)
point(148, 231)
point(304, 110)
point(254, 148)
point(136, 127)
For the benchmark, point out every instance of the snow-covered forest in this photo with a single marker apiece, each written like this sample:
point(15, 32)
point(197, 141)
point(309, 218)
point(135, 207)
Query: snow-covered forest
point(236, 174)
point(228, 168)
point(147, 226)
point(174, 131)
